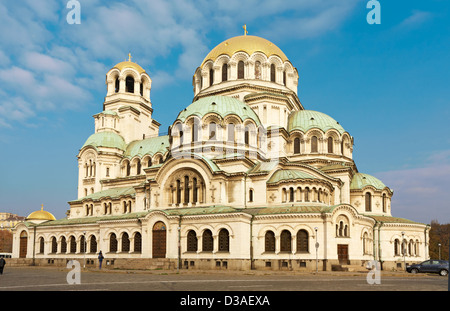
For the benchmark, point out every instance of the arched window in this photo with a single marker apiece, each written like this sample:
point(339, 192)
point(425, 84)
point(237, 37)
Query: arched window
point(269, 241)
point(125, 242)
point(284, 77)
point(54, 245)
point(137, 242)
point(224, 72)
point(186, 189)
point(314, 147)
point(149, 163)
point(113, 243)
point(138, 167)
point(291, 194)
point(141, 90)
point(207, 241)
point(285, 240)
point(192, 242)
point(212, 131)
point(224, 241)
point(194, 190)
point(368, 202)
point(250, 195)
point(178, 191)
point(246, 135)
point(129, 84)
point(240, 70)
point(63, 245)
point(330, 144)
point(211, 77)
point(73, 245)
point(302, 241)
point(128, 169)
point(397, 247)
point(93, 246)
point(82, 244)
point(272, 73)
point(306, 194)
point(41, 245)
point(384, 203)
point(297, 145)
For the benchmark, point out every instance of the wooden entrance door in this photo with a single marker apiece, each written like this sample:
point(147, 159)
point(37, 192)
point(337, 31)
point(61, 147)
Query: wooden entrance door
point(23, 245)
point(159, 240)
point(342, 250)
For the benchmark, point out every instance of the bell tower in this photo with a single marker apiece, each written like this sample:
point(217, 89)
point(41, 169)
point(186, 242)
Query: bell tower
point(127, 103)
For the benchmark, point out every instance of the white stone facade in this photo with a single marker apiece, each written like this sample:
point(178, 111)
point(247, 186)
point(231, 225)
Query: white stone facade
point(245, 179)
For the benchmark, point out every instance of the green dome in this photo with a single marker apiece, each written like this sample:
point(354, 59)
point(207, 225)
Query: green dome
point(360, 181)
point(221, 105)
point(106, 139)
point(305, 120)
point(282, 175)
point(149, 146)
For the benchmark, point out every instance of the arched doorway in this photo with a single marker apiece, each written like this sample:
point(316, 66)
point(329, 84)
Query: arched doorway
point(23, 244)
point(159, 240)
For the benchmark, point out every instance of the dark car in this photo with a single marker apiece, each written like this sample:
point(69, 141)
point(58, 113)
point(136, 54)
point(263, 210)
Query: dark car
point(429, 266)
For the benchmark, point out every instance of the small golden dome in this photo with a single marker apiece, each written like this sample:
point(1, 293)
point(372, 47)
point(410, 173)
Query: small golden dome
point(248, 44)
point(41, 215)
point(128, 64)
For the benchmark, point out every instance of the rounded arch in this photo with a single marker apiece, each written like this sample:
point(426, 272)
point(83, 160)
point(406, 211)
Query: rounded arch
point(174, 164)
point(222, 59)
point(259, 56)
point(132, 73)
point(276, 60)
point(240, 56)
point(224, 226)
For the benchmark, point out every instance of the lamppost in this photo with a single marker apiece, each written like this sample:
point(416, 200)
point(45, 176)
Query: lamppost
point(439, 251)
point(317, 249)
point(403, 249)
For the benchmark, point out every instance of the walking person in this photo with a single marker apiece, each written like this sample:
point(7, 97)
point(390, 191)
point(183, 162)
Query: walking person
point(2, 264)
point(100, 260)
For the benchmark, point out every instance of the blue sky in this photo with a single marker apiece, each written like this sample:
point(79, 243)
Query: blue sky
point(387, 84)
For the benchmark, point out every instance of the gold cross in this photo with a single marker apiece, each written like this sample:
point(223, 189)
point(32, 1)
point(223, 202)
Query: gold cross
point(129, 57)
point(245, 29)
point(42, 207)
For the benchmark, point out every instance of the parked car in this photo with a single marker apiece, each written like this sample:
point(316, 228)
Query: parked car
point(429, 266)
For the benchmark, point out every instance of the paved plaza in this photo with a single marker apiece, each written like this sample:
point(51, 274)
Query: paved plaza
point(58, 279)
point(218, 290)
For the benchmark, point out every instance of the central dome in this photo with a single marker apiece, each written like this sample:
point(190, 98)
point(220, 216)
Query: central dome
point(248, 44)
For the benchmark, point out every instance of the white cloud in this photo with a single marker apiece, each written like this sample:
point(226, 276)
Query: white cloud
point(50, 64)
point(417, 18)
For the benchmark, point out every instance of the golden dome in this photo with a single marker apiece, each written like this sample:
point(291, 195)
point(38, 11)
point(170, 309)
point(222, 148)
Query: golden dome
point(248, 44)
point(129, 64)
point(41, 215)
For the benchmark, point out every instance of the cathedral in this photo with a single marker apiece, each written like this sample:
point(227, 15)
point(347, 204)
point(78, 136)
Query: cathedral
point(246, 178)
